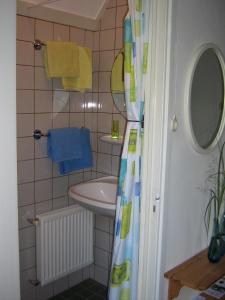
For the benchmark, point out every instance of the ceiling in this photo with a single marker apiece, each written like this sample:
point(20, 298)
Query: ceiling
point(91, 9)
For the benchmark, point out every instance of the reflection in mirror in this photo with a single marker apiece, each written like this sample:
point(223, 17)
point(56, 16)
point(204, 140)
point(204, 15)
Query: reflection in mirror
point(117, 84)
point(207, 98)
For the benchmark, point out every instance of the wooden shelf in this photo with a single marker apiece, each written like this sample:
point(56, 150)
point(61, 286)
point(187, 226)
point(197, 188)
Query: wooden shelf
point(196, 273)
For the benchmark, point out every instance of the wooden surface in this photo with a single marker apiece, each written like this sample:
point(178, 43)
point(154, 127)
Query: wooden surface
point(196, 273)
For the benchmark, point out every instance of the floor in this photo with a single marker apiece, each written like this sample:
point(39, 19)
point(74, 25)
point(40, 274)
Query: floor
point(86, 290)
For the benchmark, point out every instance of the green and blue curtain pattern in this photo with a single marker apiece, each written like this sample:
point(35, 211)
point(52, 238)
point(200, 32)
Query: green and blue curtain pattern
point(124, 271)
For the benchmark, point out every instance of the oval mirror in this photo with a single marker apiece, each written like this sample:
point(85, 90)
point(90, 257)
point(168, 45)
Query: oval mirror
point(117, 84)
point(206, 100)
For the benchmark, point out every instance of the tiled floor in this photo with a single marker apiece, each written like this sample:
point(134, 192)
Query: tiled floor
point(86, 290)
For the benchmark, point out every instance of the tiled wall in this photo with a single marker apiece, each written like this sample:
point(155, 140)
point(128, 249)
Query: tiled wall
point(42, 104)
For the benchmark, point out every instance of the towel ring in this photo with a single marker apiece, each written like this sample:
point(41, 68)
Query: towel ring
point(38, 44)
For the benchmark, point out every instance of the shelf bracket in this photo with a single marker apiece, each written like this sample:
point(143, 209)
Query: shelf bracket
point(174, 288)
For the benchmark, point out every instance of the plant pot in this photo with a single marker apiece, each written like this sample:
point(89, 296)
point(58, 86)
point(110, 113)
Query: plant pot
point(215, 250)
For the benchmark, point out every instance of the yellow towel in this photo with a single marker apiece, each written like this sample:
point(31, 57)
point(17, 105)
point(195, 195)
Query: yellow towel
point(117, 77)
point(61, 59)
point(84, 81)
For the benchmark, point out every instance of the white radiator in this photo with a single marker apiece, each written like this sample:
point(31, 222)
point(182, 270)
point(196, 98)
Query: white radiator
point(64, 240)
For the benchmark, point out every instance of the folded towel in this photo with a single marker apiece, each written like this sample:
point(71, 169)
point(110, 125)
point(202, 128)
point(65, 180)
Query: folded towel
point(61, 59)
point(86, 161)
point(64, 144)
point(117, 78)
point(84, 80)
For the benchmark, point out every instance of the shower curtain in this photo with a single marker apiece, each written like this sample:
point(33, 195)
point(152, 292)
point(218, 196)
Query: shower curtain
point(124, 270)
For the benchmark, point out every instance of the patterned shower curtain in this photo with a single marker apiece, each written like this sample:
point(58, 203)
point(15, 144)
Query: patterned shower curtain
point(124, 271)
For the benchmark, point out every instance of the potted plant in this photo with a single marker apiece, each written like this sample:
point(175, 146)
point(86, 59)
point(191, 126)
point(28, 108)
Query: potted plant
point(215, 209)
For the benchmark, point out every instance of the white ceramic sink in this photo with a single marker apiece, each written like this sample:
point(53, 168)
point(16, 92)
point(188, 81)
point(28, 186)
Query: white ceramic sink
point(98, 195)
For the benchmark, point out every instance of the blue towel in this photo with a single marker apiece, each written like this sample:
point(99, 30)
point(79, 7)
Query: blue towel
point(64, 144)
point(86, 161)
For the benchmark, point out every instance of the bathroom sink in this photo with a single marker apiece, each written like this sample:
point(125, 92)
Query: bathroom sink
point(98, 195)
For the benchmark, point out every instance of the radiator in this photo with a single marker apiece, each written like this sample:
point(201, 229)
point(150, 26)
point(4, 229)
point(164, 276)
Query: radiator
point(64, 241)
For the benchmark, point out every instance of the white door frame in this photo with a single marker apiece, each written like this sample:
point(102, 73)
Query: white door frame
point(9, 250)
point(154, 152)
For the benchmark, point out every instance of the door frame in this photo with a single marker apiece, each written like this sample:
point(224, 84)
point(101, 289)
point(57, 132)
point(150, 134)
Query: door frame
point(155, 149)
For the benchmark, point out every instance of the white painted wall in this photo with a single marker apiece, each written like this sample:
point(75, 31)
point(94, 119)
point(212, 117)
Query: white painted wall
point(193, 23)
point(9, 253)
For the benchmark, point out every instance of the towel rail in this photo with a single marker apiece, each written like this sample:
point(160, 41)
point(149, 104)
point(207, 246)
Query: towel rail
point(38, 44)
point(37, 134)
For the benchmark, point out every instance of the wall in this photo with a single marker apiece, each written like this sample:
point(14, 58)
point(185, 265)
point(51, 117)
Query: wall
point(9, 250)
point(42, 104)
point(186, 193)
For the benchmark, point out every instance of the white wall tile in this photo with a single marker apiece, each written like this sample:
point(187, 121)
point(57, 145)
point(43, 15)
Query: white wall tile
point(119, 38)
point(101, 258)
point(61, 32)
point(104, 147)
point(88, 102)
point(101, 275)
point(24, 101)
point(27, 237)
point(25, 28)
point(121, 2)
point(25, 213)
point(60, 186)
point(25, 125)
point(43, 101)
point(102, 240)
point(60, 202)
point(43, 207)
point(91, 121)
point(104, 82)
point(24, 77)
point(60, 120)
point(61, 101)
point(28, 294)
point(44, 292)
point(60, 285)
point(76, 119)
point(107, 39)
point(115, 165)
point(43, 122)
point(25, 194)
point(96, 38)
point(120, 15)
point(25, 171)
point(25, 277)
point(41, 147)
point(94, 141)
point(43, 168)
point(43, 31)
point(77, 35)
point(95, 60)
point(102, 223)
point(76, 102)
point(104, 164)
point(106, 60)
point(75, 278)
point(24, 53)
point(108, 20)
point(27, 258)
point(104, 122)
point(25, 148)
point(75, 178)
point(105, 103)
point(89, 39)
point(41, 80)
point(43, 190)
point(112, 3)
point(95, 82)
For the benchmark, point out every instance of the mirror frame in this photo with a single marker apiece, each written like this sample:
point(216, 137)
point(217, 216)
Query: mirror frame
point(187, 113)
point(114, 103)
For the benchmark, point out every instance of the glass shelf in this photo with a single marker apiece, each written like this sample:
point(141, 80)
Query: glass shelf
point(108, 139)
